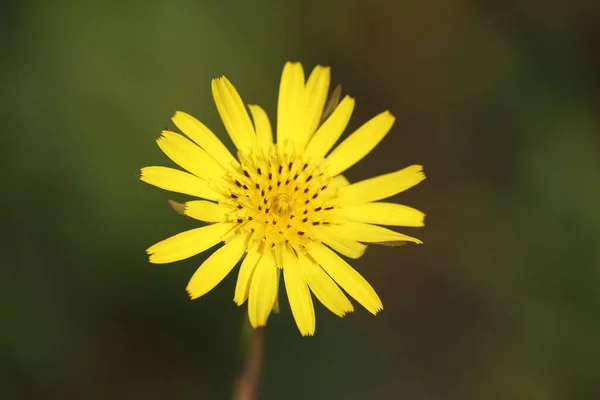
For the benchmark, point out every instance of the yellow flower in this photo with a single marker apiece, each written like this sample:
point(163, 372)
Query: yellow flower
point(282, 206)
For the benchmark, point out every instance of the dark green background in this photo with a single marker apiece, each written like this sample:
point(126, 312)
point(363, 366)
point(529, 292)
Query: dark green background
point(499, 102)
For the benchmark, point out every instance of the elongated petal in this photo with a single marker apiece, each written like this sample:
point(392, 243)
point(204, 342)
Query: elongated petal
point(347, 277)
point(360, 143)
point(242, 286)
point(370, 233)
point(206, 211)
point(187, 244)
point(263, 290)
point(217, 266)
point(341, 244)
point(204, 138)
point(383, 186)
point(298, 295)
point(178, 181)
point(324, 288)
point(233, 113)
point(314, 97)
point(291, 90)
point(383, 214)
point(264, 136)
point(331, 130)
point(190, 156)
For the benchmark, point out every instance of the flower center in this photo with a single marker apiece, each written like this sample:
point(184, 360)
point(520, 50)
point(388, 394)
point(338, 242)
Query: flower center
point(281, 197)
point(282, 204)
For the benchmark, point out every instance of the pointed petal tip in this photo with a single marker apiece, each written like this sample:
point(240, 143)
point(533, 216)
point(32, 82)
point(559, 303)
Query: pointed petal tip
point(152, 257)
point(388, 114)
point(190, 293)
point(238, 302)
point(420, 171)
point(221, 80)
point(177, 114)
point(378, 310)
point(418, 168)
point(150, 251)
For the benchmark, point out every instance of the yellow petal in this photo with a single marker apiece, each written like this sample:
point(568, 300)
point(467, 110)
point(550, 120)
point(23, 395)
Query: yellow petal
point(204, 138)
point(360, 143)
point(190, 156)
point(291, 90)
point(347, 277)
point(206, 211)
point(263, 290)
point(242, 286)
point(338, 182)
point(216, 267)
point(370, 233)
point(298, 295)
point(348, 247)
point(324, 288)
point(187, 244)
point(234, 114)
point(178, 181)
point(264, 136)
point(383, 214)
point(314, 98)
point(383, 186)
point(331, 130)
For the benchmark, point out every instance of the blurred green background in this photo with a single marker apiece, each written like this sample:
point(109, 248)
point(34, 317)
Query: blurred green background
point(499, 102)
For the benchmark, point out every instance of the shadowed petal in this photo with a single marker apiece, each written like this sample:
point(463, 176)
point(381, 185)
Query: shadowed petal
point(217, 266)
point(347, 277)
point(263, 290)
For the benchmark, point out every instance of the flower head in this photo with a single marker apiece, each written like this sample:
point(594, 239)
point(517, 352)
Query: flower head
point(282, 206)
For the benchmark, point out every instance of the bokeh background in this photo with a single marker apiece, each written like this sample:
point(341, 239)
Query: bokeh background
point(498, 100)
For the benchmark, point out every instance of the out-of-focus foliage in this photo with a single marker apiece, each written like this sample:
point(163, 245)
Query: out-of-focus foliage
point(497, 100)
